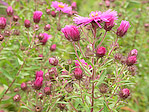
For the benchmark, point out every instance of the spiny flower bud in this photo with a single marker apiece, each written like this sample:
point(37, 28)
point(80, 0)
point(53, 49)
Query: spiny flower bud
point(48, 11)
point(107, 2)
point(124, 93)
point(78, 73)
point(40, 95)
point(2, 23)
point(53, 14)
point(103, 88)
point(53, 61)
point(17, 98)
point(122, 30)
point(24, 86)
point(15, 18)
point(40, 36)
point(38, 83)
point(27, 23)
point(36, 27)
point(131, 60)
point(47, 90)
point(1, 37)
point(53, 47)
point(36, 17)
point(39, 73)
point(47, 27)
point(45, 38)
point(9, 11)
point(101, 51)
point(71, 33)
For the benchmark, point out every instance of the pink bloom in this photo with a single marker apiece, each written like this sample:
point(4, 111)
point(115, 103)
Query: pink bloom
point(71, 33)
point(9, 11)
point(37, 15)
point(78, 73)
point(74, 5)
point(101, 51)
point(122, 30)
point(59, 6)
point(2, 23)
point(77, 63)
point(45, 38)
point(39, 73)
point(111, 16)
point(96, 17)
point(38, 82)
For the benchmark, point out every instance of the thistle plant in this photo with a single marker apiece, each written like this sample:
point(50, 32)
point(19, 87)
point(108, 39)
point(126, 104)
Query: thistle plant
point(93, 78)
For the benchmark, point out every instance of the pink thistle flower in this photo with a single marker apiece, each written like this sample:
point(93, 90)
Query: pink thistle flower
point(71, 33)
point(39, 73)
point(2, 23)
point(124, 93)
point(45, 38)
point(59, 6)
point(133, 52)
point(122, 30)
point(37, 15)
point(111, 16)
point(27, 23)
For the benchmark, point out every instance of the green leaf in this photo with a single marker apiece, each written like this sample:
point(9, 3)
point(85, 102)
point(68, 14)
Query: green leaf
point(105, 107)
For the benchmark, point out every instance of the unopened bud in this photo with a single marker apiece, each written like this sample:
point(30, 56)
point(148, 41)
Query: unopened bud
point(53, 47)
point(53, 61)
point(48, 11)
point(17, 98)
point(15, 18)
point(47, 27)
point(24, 86)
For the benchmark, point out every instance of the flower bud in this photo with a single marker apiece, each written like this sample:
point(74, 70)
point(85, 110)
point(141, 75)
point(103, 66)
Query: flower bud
point(41, 56)
point(45, 38)
point(123, 60)
point(69, 87)
point(131, 60)
point(15, 18)
point(16, 32)
point(53, 71)
point(38, 109)
point(38, 83)
point(74, 5)
point(78, 73)
point(103, 88)
point(7, 33)
point(107, 2)
point(122, 30)
point(101, 51)
point(24, 86)
point(132, 68)
point(2, 23)
point(47, 27)
point(36, 17)
point(27, 23)
point(17, 98)
point(9, 11)
point(61, 106)
point(53, 14)
point(36, 27)
point(1, 37)
point(124, 93)
point(39, 74)
point(53, 61)
point(16, 90)
point(40, 95)
point(133, 52)
point(118, 56)
point(69, 61)
point(48, 11)
point(47, 90)
point(53, 47)
point(71, 33)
